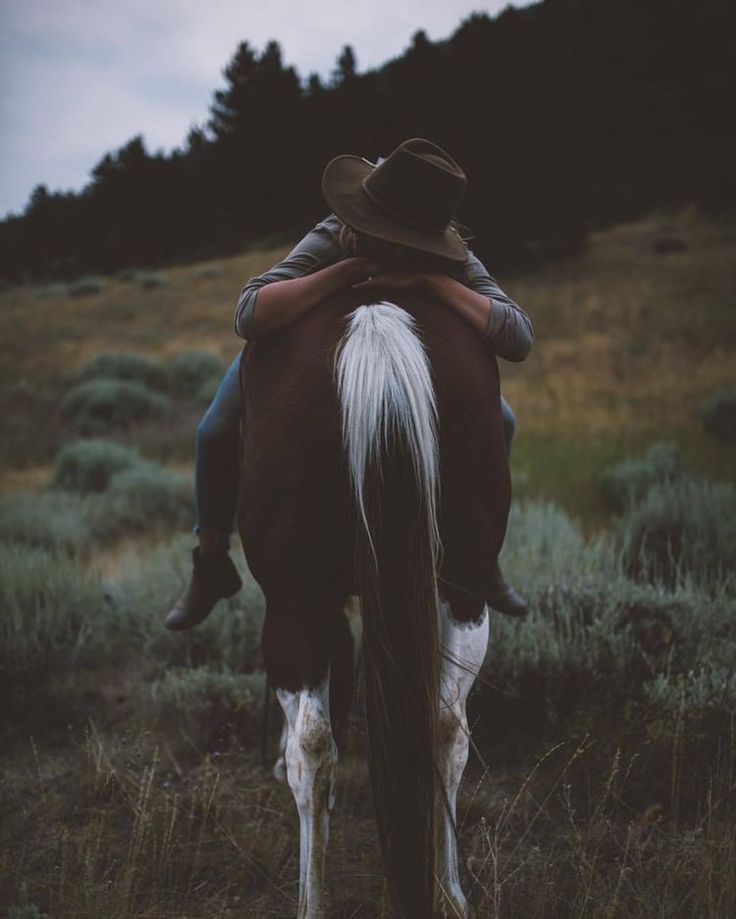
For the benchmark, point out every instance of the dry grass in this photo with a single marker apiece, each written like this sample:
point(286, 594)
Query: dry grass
point(629, 344)
point(135, 825)
point(607, 813)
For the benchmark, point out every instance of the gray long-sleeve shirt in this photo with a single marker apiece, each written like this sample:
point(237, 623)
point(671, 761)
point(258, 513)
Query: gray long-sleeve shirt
point(508, 333)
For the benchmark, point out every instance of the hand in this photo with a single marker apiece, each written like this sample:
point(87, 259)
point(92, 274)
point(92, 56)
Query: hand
point(396, 279)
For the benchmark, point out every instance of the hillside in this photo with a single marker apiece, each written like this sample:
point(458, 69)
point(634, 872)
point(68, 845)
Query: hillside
point(629, 344)
point(601, 775)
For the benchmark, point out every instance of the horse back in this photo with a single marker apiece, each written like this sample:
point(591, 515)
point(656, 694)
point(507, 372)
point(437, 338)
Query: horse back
point(295, 507)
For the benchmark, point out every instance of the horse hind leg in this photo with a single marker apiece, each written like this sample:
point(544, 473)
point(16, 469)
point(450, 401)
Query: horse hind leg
point(298, 643)
point(342, 679)
point(310, 760)
point(464, 647)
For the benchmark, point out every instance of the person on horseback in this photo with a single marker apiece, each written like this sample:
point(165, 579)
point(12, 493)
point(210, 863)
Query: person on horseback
point(345, 250)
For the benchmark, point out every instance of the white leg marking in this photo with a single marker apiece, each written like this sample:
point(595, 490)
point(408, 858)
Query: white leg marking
point(464, 648)
point(279, 767)
point(311, 759)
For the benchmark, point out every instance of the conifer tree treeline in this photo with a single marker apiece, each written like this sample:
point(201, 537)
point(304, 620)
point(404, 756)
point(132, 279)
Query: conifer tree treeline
point(565, 115)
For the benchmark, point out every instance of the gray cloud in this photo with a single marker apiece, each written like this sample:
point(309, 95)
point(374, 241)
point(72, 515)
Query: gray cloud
point(80, 78)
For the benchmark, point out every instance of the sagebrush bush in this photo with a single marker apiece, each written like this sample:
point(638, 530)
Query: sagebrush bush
point(150, 280)
point(719, 415)
point(685, 528)
point(51, 613)
point(101, 404)
point(24, 908)
point(208, 271)
point(189, 370)
point(140, 496)
point(544, 546)
point(206, 392)
point(711, 687)
point(229, 637)
point(593, 632)
point(88, 465)
point(54, 291)
point(47, 520)
point(86, 286)
point(627, 482)
point(124, 365)
point(200, 700)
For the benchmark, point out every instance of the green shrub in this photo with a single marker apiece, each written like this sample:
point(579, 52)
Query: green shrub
point(229, 637)
point(685, 528)
point(141, 496)
point(85, 466)
point(208, 271)
point(48, 520)
point(206, 392)
point(146, 279)
point(627, 482)
point(125, 365)
point(83, 287)
point(719, 415)
point(54, 291)
point(101, 404)
point(201, 701)
point(712, 687)
point(51, 611)
point(25, 909)
point(544, 546)
point(593, 635)
point(150, 280)
point(191, 369)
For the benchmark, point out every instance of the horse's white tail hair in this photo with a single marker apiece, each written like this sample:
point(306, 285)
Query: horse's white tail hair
point(384, 385)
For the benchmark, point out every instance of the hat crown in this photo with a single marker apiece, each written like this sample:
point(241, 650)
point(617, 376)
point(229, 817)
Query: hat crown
point(418, 183)
point(409, 199)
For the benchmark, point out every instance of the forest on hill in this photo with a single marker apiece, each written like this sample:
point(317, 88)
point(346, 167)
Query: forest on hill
point(567, 115)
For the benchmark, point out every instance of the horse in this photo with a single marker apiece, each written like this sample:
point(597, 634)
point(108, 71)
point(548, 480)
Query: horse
point(373, 463)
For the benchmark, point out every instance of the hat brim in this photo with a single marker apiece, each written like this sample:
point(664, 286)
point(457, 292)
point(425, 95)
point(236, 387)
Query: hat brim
point(344, 193)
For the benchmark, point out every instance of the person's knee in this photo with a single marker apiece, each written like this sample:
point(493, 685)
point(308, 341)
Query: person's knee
point(509, 423)
point(216, 428)
point(509, 418)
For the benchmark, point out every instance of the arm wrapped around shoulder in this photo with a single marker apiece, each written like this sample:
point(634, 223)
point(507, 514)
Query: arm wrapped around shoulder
point(509, 332)
point(320, 247)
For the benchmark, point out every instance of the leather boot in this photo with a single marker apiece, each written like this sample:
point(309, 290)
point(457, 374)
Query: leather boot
point(502, 596)
point(214, 577)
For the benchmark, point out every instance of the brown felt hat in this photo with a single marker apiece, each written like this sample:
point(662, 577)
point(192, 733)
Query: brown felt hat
point(409, 199)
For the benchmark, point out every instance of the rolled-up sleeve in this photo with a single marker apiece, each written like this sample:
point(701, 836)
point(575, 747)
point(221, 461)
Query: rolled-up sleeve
point(320, 247)
point(509, 332)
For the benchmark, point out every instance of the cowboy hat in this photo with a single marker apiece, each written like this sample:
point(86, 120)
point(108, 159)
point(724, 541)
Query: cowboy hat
point(408, 198)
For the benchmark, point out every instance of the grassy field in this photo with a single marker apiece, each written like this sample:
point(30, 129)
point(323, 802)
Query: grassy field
point(629, 344)
point(603, 780)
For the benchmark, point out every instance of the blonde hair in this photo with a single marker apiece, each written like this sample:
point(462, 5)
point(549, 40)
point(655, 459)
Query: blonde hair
point(346, 239)
point(406, 258)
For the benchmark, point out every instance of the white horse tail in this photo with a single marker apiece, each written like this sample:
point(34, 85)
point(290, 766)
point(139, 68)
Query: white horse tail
point(389, 427)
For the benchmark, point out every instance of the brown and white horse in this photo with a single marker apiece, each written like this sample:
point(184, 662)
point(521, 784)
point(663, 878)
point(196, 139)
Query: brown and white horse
point(373, 463)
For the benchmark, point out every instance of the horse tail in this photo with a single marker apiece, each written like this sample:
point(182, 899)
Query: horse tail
point(389, 428)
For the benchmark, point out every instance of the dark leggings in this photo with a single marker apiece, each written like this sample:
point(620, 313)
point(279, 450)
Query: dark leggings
point(216, 455)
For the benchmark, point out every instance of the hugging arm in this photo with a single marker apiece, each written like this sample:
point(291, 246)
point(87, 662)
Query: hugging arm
point(509, 330)
point(501, 323)
point(312, 270)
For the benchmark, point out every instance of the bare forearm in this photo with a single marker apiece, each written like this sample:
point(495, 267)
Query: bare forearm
point(282, 302)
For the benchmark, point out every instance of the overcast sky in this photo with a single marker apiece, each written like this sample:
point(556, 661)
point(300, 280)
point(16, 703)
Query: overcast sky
point(79, 78)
